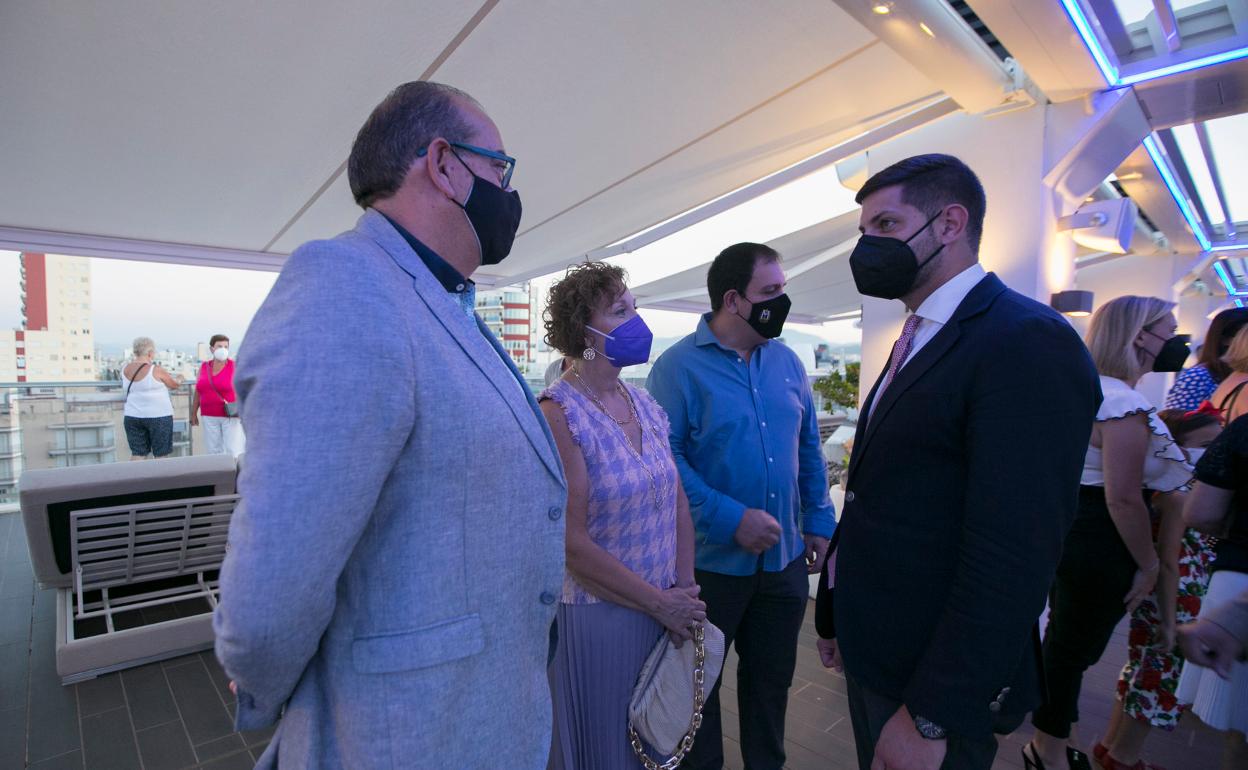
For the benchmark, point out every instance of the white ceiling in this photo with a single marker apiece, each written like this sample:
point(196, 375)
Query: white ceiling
point(227, 124)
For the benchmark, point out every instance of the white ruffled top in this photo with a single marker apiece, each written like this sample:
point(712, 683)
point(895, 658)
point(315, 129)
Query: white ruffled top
point(1165, 467)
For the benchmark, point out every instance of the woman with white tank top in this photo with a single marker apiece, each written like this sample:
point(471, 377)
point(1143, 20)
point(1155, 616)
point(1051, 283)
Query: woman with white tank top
point(149, 410)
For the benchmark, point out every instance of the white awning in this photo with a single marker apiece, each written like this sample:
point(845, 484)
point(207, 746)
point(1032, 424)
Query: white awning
point(816, 265)
point(216, 133)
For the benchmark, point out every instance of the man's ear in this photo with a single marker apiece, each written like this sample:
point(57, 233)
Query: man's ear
point(437, 166)
point(952, 223)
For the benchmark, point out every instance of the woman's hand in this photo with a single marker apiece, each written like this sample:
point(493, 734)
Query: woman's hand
point(1141, 586)
point(678, 610)
point(194, 418)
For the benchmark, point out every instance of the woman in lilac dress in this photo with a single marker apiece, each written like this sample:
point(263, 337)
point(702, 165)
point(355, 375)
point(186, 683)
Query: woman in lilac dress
point(629, 572)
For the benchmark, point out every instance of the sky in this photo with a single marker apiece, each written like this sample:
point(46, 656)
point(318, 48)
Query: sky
point(179, 306)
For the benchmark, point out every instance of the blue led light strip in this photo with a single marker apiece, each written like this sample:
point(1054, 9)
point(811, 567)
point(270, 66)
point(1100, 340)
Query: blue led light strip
point(1083, 25)
point(1220, 269)
point(1187, 66)
point(1167, 176)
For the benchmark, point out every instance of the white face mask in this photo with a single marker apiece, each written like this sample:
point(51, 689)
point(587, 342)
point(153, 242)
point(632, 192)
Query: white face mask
point(1194, 454)
point(221, 354)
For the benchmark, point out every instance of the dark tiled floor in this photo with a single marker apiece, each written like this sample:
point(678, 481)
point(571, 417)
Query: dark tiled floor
point(178, 713)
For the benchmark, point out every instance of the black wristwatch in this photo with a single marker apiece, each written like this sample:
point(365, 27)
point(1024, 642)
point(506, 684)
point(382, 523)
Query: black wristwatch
point(929, 729)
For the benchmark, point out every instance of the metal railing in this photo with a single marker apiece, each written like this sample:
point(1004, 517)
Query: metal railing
point(49, 416)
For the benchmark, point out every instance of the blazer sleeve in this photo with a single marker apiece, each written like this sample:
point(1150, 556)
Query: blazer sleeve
point(321, 442)
point(1034, 397)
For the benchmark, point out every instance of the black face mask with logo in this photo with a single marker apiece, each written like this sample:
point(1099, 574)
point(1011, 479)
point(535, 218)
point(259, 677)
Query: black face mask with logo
point(887, 267)
point(768, 316)
point(1173, 353)
point(494, 214)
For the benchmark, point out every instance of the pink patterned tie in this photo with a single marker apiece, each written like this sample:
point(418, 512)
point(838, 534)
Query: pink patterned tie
point(901, 349)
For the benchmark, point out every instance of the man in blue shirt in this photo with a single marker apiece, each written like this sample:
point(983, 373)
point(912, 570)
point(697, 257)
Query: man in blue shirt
point(746, 441)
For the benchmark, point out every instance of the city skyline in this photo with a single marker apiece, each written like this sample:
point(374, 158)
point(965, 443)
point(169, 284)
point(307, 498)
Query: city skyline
point(179, 306)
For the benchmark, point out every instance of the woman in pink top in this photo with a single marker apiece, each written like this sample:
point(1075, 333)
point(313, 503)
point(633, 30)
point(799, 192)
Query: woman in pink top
point(214, 389)
point(629, 546)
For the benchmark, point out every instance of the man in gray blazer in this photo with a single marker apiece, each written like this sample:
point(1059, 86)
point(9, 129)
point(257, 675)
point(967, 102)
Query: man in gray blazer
point(395, 560)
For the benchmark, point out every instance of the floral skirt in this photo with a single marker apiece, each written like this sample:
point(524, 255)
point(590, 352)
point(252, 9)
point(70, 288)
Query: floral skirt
point(1148, 683)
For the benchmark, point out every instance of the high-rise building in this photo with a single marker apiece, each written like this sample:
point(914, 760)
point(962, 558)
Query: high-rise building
point(55, 342)
point(507, 312)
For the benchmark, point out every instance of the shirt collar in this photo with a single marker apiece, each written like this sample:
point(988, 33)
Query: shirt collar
point(446, 275)
point(704, 336)
point(942, 303)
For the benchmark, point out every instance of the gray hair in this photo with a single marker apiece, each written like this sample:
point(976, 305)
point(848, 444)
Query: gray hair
point(406, 121)
point(144, 346)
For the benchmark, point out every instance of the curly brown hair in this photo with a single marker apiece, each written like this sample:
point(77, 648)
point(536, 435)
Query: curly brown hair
point(571, 301)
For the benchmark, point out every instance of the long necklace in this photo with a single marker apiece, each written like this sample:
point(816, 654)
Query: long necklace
point(632, 412)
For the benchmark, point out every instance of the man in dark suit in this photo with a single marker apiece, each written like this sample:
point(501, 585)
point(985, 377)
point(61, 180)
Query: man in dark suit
point(961, 487)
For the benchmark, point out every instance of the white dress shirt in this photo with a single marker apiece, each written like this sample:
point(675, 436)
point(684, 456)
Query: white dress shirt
point(936, 311)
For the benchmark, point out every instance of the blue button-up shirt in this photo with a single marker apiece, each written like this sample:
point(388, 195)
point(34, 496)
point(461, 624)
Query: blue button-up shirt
point(744, 435)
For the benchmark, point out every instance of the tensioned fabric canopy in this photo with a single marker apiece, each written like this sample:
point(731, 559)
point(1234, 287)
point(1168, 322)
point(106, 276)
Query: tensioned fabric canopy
point(175, 126)
point(816, 264)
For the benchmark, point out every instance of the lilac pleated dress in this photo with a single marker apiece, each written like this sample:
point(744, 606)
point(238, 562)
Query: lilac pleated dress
point(602, 645)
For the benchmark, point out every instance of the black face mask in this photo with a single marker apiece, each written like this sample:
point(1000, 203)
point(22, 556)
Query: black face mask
point(887, 267)
point(1173, 354)
point(768, 316)
point(494, 214)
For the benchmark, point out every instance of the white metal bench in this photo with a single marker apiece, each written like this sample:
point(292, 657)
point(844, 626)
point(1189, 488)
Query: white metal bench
point(132, 550)
point(133, 545)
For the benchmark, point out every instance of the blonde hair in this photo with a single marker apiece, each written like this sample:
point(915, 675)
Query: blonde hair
point(1116, 324)
point(1237, 354)
point(143, 346)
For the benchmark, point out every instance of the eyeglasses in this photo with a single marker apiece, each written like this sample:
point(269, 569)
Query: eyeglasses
point(505, 164)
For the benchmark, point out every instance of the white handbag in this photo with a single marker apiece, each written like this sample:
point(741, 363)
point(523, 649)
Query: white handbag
point(666, 707)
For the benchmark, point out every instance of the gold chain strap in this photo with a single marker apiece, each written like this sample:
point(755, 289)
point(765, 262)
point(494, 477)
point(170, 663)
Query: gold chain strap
point(686, 743)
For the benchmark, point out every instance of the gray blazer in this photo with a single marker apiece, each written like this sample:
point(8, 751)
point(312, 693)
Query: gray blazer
point(398, 552)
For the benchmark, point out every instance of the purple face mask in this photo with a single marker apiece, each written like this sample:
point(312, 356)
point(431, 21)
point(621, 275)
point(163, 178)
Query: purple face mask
point(627, 344)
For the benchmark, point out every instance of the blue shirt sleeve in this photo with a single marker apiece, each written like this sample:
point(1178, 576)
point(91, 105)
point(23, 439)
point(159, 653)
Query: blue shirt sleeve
point(817, 516)
point(716, 516)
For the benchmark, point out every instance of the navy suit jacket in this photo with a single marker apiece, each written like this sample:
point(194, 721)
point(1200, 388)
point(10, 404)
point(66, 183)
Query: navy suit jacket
point(961, 487)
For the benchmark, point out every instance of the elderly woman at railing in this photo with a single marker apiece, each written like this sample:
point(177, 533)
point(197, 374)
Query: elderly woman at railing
point(149, 410)
point(629, 535)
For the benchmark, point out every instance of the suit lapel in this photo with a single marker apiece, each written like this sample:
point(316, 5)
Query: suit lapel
point(477, 342)
point(910, 374)
point(522, 404)
point(978, 300)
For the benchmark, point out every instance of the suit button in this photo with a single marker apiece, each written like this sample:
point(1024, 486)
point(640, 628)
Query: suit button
point(849, 497)
point(554, 513)
point(548, 597)
point(994, 707)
